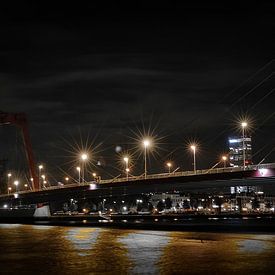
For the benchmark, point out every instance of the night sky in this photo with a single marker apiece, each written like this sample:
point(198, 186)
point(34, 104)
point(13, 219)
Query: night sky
point(181, 73)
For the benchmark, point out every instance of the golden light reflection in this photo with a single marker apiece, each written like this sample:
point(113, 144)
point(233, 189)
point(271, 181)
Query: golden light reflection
point(193, 253)
point(85, 250)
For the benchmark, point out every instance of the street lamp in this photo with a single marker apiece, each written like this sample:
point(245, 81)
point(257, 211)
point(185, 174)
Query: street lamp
point(224, 158)
point(146, 144)
point(126, 159)
point(40, 167)
point(43, 180)
point(193, 148)
point(84, 157)
point(9, 177)
point(169, 165)
point(78, 169)
point(244, 125)
point(16, 183)
point(67, 179)
point(127, 172)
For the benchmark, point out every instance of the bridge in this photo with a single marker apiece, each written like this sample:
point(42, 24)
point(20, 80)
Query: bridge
point(211, 181)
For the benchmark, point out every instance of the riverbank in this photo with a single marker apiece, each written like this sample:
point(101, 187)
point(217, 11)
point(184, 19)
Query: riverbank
point(214, 223)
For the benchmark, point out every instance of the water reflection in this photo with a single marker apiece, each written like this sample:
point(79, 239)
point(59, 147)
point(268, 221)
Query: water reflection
point(71, 250)
point(253, 246)
point(144, 249)
point(41, 227)
point(6, 225)
point(83, 239)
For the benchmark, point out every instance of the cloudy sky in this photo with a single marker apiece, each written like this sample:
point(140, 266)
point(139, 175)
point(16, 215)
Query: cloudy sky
point(182, 72)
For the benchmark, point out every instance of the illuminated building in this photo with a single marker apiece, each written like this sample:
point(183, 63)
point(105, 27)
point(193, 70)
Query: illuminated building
point(246, 189)
point(236, 154)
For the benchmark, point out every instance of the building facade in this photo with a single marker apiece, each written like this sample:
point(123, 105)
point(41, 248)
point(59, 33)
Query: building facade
point(236, 147)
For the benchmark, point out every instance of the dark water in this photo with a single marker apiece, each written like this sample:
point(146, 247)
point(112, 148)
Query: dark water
point(33, 249)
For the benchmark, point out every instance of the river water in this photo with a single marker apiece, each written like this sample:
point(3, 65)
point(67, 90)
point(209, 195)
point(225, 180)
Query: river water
point(35, 249)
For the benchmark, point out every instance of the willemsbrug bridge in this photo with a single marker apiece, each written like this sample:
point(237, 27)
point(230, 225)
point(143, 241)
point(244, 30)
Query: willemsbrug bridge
point(213, 180)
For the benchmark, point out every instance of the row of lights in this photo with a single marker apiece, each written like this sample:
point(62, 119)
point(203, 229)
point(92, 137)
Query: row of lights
point(16, 183)
point(41, 177)
point(146, 144)
point(193, 147)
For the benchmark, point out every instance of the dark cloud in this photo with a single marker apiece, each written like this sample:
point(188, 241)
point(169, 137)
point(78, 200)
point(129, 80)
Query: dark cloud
point(180, 68)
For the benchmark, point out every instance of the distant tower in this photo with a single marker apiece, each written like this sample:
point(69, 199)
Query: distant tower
point(236, 151)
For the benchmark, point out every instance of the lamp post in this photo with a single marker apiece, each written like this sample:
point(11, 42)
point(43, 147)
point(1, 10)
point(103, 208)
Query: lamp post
point(43, 180)
point(126, 159)
point(193, 148)
point(244, 125)
point(16, 183)
point(40, 167)
point(78, 169)
point(84, 157)
point(169, 165)
point(67, 180)
point(224, 158)
point(9, 177)
point(146, 144)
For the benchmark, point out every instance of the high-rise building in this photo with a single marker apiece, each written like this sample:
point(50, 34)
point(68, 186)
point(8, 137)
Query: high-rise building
point(236, 147)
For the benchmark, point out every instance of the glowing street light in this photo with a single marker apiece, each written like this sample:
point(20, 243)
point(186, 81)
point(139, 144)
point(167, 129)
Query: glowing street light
point(84, 157)
point(244, 125)
point(9, 190)
point(146, 144)
point(224, 158)
point(193, 148)
point(9, 177)
point(78, 169)
point(40, 167)
point(169, 165)
point(126, 159)
point(127, 172)
point(16, 183)
point(67, 179)
point(43, 180)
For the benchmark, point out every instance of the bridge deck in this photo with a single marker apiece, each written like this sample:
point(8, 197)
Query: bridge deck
point(261, 168)
point(181, 181)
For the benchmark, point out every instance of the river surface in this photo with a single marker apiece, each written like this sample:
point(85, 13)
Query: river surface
point(38, 249)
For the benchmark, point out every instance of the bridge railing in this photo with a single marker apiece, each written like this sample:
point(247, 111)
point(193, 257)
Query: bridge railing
point(192, 173)
point(162, 175)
